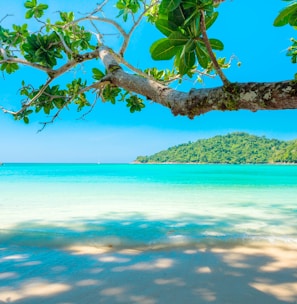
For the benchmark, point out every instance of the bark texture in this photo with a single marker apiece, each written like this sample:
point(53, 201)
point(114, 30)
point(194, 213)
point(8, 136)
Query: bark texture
point(252, 96)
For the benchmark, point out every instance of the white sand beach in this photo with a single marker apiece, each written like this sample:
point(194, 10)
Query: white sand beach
point(254, 273)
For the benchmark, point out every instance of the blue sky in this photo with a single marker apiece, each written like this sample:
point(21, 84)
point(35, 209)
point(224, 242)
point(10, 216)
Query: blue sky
point(111, 134)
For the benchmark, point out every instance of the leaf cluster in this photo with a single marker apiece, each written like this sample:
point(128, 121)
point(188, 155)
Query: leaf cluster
point(11, 39)
point(127, 7)
point(161, 75)
point(179, 21)
point(75, 36)
point(53, 97)
point(47, 46)
point(43, 49)
point(34, 9)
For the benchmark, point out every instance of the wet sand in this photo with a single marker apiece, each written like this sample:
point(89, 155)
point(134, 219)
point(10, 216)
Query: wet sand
point(238, 273)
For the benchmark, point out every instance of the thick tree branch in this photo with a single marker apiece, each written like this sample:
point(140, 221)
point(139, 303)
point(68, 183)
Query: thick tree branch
point(235, 96)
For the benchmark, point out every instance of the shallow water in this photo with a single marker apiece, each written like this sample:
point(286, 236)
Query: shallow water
point(55, 205)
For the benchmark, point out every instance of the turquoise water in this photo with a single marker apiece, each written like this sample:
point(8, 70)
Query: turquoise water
point(54, 205)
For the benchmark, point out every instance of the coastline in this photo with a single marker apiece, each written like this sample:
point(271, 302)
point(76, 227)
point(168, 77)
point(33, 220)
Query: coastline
point(245, 273)
point(224, 164)
point(151, 235)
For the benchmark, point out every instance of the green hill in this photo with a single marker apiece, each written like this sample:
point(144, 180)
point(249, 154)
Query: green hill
point(234, 148)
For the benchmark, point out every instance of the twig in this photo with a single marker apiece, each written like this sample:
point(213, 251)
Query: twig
point(136, 23)
point(90, 110)
point(98, 35)
point(66, 47)
point(105, 20)
point(7, 15)
point(28, 63)
point(97, 9)
point(29, 103)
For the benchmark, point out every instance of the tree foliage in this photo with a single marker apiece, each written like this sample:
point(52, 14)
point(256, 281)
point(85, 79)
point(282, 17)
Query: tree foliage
point(235, 148)
point(288, 16)
point(62, 43)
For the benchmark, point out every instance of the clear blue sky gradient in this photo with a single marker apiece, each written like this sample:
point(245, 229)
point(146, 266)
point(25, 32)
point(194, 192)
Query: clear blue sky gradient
point(111, 134)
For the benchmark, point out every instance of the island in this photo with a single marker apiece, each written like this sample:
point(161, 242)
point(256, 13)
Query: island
point(233, 148)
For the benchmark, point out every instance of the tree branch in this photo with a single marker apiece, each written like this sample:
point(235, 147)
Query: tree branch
point(7, 15)
point(31, 101)
point(209, 50)
point(66, 47)
point(78, 59)
point(105, 20)
point(236, 96)
point(136, 23)
point(28, 63)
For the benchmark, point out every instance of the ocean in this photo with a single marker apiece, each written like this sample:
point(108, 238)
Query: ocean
point(145, 206)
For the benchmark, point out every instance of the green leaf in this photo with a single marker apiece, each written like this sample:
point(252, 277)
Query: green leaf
point(125, 16)
point(177, 16)
point(9, 68)
point(29, 14)
point(29, 4)
point(178, 56)
point(190, 4)
point(120, 5)
point(284, 16)
point(182, 68)
point(293, 19)
point(58, 103)
point(47, 108)
point(216, 44)
point(162, 49)
point(43, 6)
point(169, 5)
point(177, 38)
point(97, 74)
point(202, 55)
point(26, 120)
point(190, 46)
point(189, 59)
point(187, 62)
point(166, 27)
point(209, 21)
point(193, 17)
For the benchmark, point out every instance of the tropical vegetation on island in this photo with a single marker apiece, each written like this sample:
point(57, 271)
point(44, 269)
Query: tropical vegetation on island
point(53, 46)
point(234, 148)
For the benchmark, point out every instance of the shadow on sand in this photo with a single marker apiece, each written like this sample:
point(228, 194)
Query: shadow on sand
point(200, 273)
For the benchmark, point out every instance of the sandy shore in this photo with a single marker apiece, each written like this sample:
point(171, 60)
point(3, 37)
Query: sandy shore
point(254, 273)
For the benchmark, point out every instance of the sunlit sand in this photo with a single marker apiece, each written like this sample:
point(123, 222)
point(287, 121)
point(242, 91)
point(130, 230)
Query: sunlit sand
point(254, 273)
